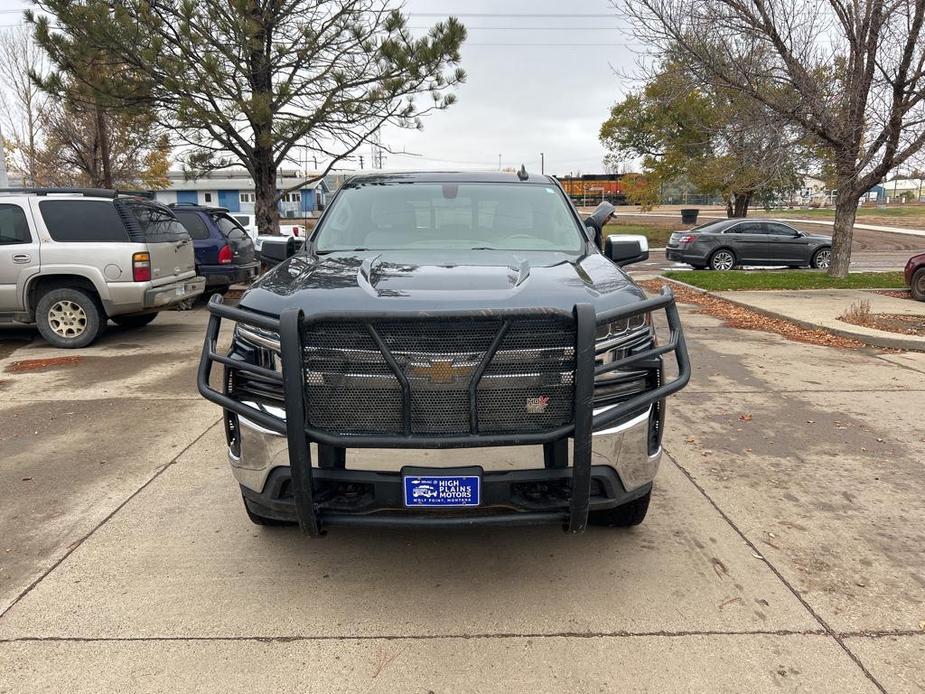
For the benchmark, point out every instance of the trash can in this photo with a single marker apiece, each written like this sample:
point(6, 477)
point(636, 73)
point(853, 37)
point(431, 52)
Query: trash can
point(689, 215)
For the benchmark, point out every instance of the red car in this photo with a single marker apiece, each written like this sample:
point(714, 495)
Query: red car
point(915, 276)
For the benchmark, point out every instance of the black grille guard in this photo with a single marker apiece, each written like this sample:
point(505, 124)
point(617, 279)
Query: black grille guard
point(290, 326)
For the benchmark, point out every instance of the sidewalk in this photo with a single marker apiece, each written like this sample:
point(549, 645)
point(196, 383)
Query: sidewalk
point(820, 308)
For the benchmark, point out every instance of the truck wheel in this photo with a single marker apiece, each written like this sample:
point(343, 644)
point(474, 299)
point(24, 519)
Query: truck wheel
point(918, 285)
point(262, 520)
point(625, 516)
point(69, 318)
point(134, 321)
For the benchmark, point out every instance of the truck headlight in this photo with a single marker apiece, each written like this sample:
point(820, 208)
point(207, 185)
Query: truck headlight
point(616, 340)
point(264, 342)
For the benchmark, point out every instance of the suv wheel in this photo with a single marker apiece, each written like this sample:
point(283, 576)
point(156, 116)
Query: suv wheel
point(69, 318)
point(134, 321)
point(822, 258)
point(918, 284)
point(723, 259)
point(625, 516)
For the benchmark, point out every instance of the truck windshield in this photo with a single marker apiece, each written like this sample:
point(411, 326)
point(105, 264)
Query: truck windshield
point(476, 216)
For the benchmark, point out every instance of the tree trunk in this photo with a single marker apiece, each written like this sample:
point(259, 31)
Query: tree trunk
point(262, 161)
point(846, 209)
point(102, 132)
point(730, 210)
point(740, 204)
point(30, 116)
point(265, 209)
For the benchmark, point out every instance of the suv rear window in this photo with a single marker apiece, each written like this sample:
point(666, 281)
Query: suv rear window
point(14, 228)
point(194, 224)
point(156, 223)
point(82, 221)
point(228, 226)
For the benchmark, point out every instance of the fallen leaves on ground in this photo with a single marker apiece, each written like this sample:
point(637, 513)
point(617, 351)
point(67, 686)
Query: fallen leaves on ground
point(896, 293)
point(739, 317)
point(891, 322)
point(38, 364)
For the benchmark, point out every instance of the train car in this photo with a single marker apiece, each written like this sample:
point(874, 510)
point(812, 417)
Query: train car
point(591, 189)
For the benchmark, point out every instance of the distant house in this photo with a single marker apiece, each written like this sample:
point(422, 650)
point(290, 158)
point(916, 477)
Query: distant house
point(904, 189)
point(234, 189)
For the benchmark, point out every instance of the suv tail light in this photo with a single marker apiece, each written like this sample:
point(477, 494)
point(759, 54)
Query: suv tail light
point(687, 239)
point(295, 231)
point(225, 255)
point(141, 267)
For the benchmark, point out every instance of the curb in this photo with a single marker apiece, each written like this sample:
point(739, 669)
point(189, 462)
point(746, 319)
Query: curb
point(902, 343)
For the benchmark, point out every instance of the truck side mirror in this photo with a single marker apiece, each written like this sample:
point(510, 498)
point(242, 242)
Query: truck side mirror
point(625, 249)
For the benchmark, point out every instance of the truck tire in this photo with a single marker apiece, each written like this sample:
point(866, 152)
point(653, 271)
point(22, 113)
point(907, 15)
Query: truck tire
point(134, 321)
point(69, 318)
point(625, 516)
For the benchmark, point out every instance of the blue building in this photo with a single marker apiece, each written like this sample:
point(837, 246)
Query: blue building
point(234, 190)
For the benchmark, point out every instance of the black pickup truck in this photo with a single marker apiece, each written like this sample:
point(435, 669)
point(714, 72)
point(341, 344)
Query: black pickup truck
point(447, 349)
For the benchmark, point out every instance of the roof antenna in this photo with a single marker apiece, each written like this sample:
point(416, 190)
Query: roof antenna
point(522, 174)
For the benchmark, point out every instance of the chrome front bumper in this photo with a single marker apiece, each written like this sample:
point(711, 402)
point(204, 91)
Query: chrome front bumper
point(624, 447)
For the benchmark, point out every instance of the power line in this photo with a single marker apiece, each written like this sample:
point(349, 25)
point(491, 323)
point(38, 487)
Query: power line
point(553, 15)
point(468, 27)
point(555, 45)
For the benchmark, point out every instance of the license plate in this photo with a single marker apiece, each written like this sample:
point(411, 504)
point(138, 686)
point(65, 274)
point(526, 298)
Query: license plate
point(441, 491)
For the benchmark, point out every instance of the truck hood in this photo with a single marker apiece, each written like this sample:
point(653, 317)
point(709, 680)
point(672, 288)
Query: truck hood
point(373, 281)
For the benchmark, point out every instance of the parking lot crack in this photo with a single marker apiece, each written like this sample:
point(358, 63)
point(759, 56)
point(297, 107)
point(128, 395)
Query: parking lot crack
point(838, 638)
point(419, 637)
point(73, 547)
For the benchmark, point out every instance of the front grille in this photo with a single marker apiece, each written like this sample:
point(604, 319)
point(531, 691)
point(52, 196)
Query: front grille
point(526, 386)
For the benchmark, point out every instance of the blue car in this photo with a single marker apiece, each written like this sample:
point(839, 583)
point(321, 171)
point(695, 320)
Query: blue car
point(224, 252)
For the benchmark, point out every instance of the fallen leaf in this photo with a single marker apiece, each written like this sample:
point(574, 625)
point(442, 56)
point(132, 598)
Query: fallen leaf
point(745, 417)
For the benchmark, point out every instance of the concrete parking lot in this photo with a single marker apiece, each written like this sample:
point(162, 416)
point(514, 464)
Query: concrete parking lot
point(783, 550)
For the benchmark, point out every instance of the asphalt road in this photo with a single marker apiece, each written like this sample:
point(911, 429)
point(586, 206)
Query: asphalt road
point(782, 552)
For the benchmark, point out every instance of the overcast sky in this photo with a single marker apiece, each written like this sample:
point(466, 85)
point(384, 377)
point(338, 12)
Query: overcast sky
point(535, 84)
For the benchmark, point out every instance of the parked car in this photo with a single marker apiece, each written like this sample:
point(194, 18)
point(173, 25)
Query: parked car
point(72, 258)
point(915, 276)
point(447, 310)
point(224, 252)
point(726, 243)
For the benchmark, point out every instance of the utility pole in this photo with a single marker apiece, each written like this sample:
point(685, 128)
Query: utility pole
point(542, 163)
point(361, 162)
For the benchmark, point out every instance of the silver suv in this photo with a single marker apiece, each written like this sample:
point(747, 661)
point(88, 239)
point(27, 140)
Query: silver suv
point(72, 258)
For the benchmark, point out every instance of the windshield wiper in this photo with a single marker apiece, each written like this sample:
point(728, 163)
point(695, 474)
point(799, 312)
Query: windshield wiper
point(339, 250)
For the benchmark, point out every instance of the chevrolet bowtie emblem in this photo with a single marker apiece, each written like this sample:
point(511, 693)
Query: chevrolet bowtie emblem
point(441, 371)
